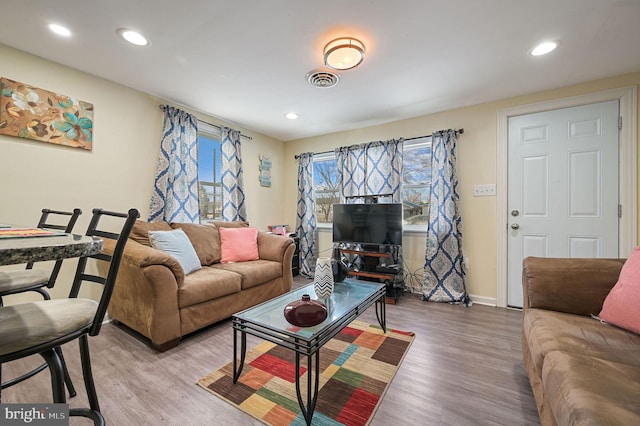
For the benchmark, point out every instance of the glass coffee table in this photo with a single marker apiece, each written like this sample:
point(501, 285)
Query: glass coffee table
point(349, 299)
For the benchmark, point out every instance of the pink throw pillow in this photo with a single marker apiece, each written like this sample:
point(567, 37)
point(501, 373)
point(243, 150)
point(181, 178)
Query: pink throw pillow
point(239, 244)
point(621, 304)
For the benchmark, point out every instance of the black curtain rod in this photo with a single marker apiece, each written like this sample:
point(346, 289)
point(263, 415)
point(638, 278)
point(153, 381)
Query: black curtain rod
point(458, 132)
point(219, 128)
point(215, 125)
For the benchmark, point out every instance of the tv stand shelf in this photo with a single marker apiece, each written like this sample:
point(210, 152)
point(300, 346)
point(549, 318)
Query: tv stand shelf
point(390, 278)
point(372, 275)
point(365, 253)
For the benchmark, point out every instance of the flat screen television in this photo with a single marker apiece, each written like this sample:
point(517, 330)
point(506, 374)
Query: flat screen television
point(367, 223)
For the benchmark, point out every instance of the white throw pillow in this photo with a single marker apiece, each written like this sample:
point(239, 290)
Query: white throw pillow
point(176, 243)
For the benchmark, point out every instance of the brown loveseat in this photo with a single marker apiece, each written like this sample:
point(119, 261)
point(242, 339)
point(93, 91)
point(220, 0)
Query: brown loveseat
point(153, 296)
point(582, 371)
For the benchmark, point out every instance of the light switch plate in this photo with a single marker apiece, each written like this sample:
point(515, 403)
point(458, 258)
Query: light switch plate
point(488, 190)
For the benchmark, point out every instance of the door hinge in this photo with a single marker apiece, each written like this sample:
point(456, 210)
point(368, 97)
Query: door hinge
point(620, 123)
point(619, 210)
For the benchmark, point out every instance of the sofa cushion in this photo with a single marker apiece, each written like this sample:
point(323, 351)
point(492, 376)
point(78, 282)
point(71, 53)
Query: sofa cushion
point(207, 284)
point(548, 331)
point(229, 224)
point(205, 239)
point(140, 231)
point(584, 390)
point(254, 272)
point(239, 244)
point(177, 244)
point(577, 286)
point(622, 305)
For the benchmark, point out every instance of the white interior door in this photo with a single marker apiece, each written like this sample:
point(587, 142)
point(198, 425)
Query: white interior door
point(562, 186)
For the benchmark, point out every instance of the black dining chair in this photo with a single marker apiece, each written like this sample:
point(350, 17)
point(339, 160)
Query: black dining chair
point(43, 326)
point(38, 280)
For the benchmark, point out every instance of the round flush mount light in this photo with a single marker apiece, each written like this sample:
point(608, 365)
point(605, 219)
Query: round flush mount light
point(291, 115)
point(344, 53)
point(60, 30)
point(544, 48)
point(133, 37)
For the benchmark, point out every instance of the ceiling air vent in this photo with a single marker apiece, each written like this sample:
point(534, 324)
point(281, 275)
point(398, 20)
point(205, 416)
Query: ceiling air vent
point(322, 78)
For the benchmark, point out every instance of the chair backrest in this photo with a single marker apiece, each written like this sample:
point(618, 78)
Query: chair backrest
point(113, 260)
point(68, 227)
point(51, 219)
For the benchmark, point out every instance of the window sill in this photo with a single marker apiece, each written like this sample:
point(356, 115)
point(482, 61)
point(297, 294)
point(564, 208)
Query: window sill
point(416, 230)
point(325, 227)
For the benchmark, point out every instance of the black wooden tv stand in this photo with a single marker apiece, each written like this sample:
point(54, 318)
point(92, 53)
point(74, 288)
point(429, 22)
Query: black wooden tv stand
point(371, 268)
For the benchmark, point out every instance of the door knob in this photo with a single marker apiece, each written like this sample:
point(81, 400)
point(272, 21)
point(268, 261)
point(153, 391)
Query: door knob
point(515, 213)
point(515, 226)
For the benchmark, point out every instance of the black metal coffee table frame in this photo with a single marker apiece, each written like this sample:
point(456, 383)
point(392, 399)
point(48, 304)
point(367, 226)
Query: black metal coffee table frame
point(309, 347)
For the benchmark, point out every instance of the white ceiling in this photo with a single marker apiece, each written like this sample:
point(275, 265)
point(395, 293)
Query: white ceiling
point(246, 61)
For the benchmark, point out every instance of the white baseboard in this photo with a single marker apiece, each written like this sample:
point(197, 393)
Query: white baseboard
point(481, 300)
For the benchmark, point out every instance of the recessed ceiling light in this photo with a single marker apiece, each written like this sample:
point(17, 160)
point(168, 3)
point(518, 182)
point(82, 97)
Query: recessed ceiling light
point(544, 48)
point(291, 115)
point(60, 30)
point(133, 37)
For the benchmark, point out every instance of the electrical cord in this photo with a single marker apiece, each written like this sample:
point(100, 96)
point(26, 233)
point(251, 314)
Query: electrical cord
point(413, 281)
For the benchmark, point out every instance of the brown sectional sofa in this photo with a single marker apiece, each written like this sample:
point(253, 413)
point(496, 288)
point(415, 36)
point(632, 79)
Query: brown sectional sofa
point(153, 296)
point(582, 371)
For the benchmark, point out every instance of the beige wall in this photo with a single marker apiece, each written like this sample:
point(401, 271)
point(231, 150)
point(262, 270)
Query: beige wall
point(477, 153)
point(119, 172)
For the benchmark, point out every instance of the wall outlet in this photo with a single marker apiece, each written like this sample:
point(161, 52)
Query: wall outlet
point(488, 190)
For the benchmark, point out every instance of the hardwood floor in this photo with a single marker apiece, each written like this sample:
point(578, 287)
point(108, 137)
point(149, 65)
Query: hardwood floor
point(463, 368)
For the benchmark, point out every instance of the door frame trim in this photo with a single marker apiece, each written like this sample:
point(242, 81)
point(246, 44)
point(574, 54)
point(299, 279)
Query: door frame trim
point(627, 173)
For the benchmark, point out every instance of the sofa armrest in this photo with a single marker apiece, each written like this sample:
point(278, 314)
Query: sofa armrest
point(139, 255)
point(272, 247)
point(145, 297)
point(577, 286)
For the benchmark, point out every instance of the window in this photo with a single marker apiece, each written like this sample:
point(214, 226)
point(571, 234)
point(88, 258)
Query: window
point(209, 184)
point(416, 183)
point(416, 180)
point(325, 181)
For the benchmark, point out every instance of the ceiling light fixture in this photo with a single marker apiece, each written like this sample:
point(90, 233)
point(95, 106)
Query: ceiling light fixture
point(344, 53)
point(291, 115)
point(60, 30)
point(133, 37)
point(544, 48)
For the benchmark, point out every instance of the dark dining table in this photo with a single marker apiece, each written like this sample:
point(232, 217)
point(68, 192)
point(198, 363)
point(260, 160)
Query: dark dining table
point(18, 250)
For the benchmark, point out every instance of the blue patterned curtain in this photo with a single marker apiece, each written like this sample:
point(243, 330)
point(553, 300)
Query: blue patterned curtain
point(352, 165)
point(233, 207)
point(175, 190)
point(443, 269)
point(306, 223)
point(384, 169)
point(371, 168)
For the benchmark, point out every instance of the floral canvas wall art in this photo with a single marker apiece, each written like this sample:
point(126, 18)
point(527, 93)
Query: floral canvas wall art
point(33, 113)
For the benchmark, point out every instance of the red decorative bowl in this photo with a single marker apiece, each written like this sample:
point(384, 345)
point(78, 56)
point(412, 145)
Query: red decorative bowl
point(305, 312)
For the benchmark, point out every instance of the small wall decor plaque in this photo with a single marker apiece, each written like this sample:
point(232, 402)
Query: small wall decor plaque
point(265, 171)
point(33, 113)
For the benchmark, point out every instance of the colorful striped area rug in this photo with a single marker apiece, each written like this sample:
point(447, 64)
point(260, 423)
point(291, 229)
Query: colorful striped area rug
point(356, 367)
